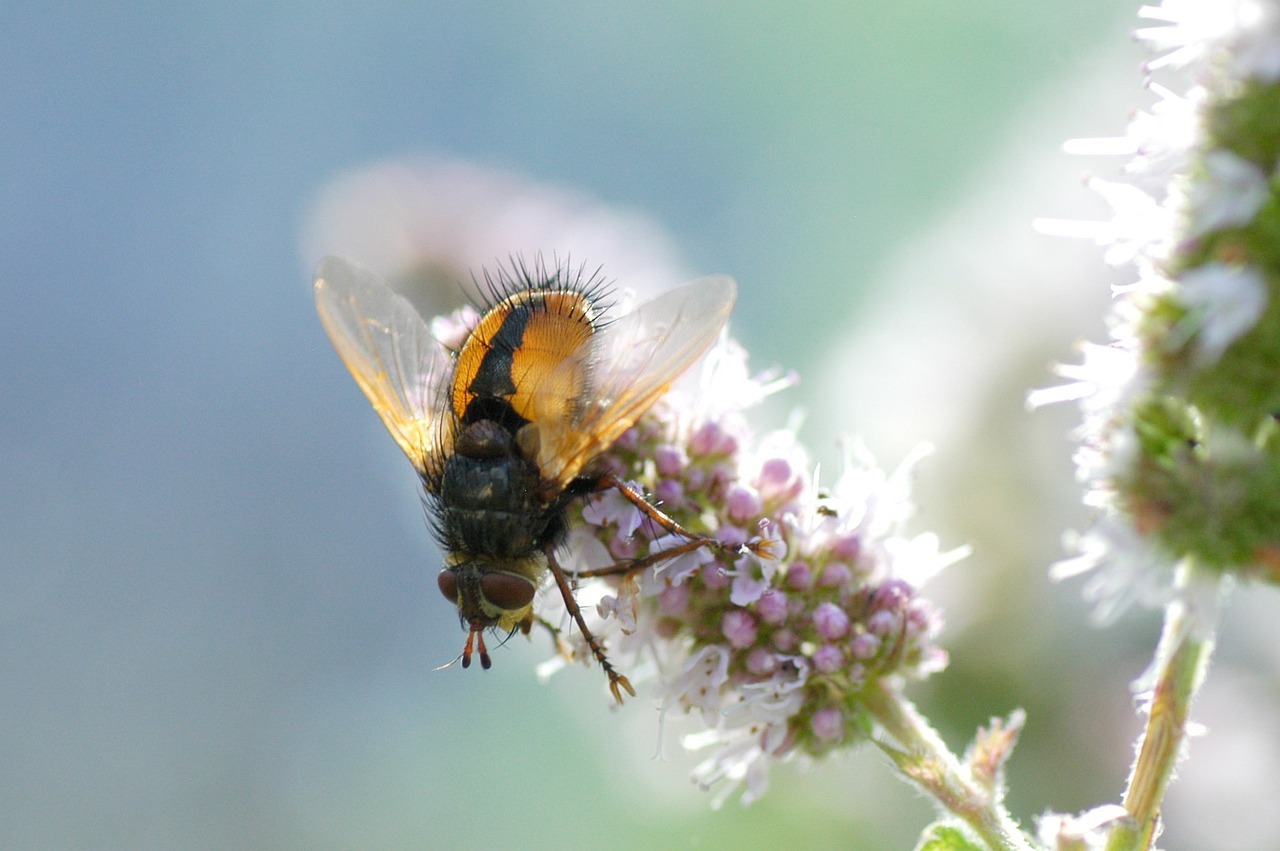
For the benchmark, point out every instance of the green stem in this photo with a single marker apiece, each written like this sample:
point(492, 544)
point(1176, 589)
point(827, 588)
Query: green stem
point(1181, 659)
point(922, 756)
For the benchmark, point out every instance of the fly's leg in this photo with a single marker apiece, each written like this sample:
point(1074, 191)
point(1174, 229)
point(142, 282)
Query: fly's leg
point(632, 565)
point(693, 541)
point(617, 682)
point(654, 513)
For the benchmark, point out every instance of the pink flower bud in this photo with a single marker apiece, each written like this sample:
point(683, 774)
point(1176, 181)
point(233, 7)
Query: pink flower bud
point(828, 658)
point(743, 503)
point(831, 621)
point(772, 607)
point(670, 460)
point(739, 628)
point(827, 723)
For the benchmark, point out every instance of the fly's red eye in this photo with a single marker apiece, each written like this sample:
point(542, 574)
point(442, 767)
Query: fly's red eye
point(448, 583)
point(507, 592)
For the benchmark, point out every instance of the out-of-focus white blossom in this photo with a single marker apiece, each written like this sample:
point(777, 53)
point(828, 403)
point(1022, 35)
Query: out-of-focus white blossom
point(1191, 374)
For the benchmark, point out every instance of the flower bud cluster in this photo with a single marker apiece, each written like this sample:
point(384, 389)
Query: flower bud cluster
point(771, 643)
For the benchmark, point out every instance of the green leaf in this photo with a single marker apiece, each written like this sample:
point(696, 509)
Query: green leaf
point(944, 836)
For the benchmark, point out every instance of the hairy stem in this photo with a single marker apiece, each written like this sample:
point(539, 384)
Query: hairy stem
point(921, 755)
point(1181, 661)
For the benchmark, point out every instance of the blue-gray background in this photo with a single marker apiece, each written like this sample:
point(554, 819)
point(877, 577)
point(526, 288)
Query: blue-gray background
point(217, 616)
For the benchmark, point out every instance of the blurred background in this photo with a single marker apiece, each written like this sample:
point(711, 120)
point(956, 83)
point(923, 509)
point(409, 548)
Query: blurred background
point(218, 616)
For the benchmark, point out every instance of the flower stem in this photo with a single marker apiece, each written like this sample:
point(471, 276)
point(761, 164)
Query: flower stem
point(921, 755)
point(1181, 661)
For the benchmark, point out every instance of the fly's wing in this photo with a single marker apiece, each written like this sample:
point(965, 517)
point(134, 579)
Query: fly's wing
point(631, 363)
point(391, 354)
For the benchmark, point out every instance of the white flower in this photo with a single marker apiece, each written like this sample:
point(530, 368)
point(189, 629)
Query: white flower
point(1257, 53)
point(1189, 29)
point(1126, 568)
point(1101, 381)
point(735, 760)
point(1140, 225)
point(1230, 193)
point(726, 385)
point(1225, 302)
point(919, 559)
point(1164, 136)
point(773, 701)
point(583, 551)
point(678, 568)
point(449, 217)
point(869, 501)
point(698, 684)
point(747, 587)
point(610, 506)
point(750, 731)
point(1088, 831)
point(624, 607)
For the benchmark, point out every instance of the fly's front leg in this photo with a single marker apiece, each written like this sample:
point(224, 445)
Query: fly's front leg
point(617, 682)
point(694, 540)
point(633, 565)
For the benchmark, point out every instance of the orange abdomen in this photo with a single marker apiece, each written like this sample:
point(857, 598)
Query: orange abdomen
point(526, 361)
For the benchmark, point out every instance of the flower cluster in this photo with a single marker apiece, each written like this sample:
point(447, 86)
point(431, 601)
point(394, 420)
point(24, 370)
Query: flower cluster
point(1180, 443)
point(771, 652)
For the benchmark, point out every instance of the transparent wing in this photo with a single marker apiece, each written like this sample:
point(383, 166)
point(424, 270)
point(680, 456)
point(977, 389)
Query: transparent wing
point(391, 354)
point(632, 362)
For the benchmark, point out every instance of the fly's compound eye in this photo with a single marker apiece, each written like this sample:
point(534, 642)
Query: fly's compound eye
point(507, 592)
point(448, 583)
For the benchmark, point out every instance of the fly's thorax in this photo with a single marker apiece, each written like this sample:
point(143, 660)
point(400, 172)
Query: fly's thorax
point(489, 592)
point(490, 499)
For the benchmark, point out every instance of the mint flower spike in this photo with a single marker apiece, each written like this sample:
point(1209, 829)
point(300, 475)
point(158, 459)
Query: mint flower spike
point(770, 651)
point(1178, 447)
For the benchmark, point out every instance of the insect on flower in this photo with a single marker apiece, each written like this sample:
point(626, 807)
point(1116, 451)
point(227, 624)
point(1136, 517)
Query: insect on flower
point(506, 431)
